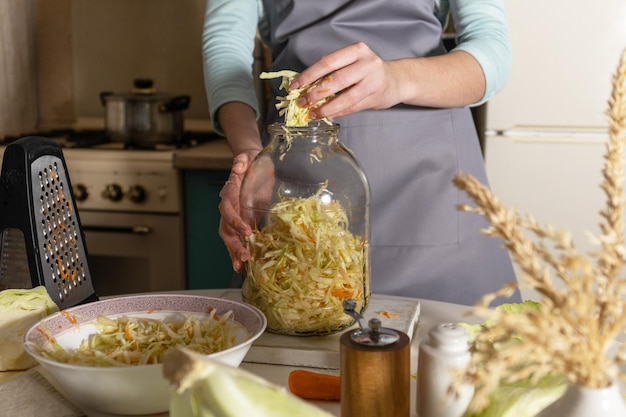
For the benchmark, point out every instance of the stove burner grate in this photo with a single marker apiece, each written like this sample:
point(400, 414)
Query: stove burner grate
point(87, 139)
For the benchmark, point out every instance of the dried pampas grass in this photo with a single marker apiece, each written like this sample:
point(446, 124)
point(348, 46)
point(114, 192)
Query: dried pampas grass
point(582, 297)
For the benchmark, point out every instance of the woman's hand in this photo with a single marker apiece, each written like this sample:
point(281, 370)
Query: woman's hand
point(362, 80)
point(233, 229)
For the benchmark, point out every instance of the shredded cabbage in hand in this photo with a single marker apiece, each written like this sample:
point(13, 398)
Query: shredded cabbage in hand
point(138, 341)
point(303, 264)
point(287, 106)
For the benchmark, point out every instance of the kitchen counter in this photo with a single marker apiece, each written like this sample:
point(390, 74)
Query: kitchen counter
point(214, 156)
point(431, 313)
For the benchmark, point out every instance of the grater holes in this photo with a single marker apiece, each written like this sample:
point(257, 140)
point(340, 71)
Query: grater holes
point(44, 230)
point(60, 233)
point(44, 206)
point(42, 181)
point(58, 239)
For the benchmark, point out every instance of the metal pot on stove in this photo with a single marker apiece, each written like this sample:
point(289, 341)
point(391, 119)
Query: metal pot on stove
point(144, 116)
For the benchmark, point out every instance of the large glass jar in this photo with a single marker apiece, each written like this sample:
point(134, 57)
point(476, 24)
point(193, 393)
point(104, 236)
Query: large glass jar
point(307, 200)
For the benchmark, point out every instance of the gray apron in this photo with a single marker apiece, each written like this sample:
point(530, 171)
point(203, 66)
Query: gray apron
point(421, 245)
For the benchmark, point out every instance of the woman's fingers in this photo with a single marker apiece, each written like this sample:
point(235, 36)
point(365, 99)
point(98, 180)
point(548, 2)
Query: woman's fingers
point(232, 229)
point(328, 64)
point(357, 77)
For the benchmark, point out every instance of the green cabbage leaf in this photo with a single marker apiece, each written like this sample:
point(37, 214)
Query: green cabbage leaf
point(524, 398)
point(204, 387)
point(19, 310)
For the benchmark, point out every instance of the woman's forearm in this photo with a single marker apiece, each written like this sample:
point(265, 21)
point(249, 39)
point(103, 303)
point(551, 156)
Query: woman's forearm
point(238, 121)
point(455, 79)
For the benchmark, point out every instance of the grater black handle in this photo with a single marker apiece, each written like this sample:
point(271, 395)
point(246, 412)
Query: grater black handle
point(37, 146)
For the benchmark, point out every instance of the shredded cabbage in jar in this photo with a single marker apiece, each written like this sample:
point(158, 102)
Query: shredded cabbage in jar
point(303, 264)
point(127, 340)
point(287, 106)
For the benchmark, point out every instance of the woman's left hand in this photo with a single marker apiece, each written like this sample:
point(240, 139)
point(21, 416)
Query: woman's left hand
point(361, 79)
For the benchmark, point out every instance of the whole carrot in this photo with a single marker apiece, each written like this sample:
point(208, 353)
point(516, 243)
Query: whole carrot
point(314, 386)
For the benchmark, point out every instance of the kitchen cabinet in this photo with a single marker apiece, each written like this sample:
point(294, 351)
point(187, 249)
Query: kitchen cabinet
point(208, 263)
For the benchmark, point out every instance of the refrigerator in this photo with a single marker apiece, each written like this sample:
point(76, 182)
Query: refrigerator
point(547, 129)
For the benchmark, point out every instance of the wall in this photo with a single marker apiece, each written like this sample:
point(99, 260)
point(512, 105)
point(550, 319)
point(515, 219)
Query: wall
point(89, 46)
point(18, 94)
point(116, 41)
point(55, 72)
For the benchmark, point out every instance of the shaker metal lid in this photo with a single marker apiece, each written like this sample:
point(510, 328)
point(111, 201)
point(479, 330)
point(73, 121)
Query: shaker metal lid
point(371, 333)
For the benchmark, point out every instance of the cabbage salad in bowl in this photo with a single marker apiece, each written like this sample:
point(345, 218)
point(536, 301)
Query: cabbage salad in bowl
point(107, 356)
point(141, 339)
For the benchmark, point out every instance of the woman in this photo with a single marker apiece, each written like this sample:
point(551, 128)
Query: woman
point(403, 111)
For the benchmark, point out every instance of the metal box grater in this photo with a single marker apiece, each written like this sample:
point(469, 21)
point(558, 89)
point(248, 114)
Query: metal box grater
point(41, 239)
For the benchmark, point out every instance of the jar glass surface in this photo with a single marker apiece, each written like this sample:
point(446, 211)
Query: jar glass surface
point(307, 200)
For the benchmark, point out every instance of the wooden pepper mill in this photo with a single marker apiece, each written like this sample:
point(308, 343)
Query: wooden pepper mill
point(375, 369)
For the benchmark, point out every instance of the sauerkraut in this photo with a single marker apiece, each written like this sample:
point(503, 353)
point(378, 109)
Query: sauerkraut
point(304, 262)
point(128, 340)
point(287, 106)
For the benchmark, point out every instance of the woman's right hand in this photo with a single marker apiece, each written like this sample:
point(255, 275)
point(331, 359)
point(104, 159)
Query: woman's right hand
point(233, 229)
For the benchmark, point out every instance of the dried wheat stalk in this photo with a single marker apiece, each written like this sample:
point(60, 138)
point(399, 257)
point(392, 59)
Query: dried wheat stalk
point(583, 305)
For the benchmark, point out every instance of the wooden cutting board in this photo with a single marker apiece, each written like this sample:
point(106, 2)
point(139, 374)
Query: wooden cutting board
point(323, 351)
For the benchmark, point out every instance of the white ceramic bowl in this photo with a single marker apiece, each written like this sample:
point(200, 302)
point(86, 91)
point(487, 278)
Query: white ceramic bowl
point(129, 390)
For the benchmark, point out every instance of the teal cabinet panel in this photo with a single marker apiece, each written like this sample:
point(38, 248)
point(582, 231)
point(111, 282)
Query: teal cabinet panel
point(208, 263)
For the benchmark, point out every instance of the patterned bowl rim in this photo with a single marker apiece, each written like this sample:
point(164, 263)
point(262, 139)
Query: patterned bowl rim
point(68, 319)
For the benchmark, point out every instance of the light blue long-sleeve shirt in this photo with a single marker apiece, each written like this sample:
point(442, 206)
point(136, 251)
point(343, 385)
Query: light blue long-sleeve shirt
point(231, 26)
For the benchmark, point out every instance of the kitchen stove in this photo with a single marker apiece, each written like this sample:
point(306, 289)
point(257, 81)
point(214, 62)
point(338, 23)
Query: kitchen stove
point(121, 176)
point(98, 139)
point(130, 204)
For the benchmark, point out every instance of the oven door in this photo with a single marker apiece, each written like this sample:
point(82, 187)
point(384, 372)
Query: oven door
point(134, 252)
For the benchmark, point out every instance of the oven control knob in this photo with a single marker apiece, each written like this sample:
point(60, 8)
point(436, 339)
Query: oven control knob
point(80, 192)
point(113, 192)
point(137, 194)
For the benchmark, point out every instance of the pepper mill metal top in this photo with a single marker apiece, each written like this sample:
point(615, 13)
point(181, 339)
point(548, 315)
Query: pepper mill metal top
point(370, 333)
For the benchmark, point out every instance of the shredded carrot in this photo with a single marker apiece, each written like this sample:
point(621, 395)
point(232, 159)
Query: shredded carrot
point(342, 292)
point(47, 335)
point(128, 333)
point(212, 310)
point(314, 386)
point(389, 314)
point(69, 317)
